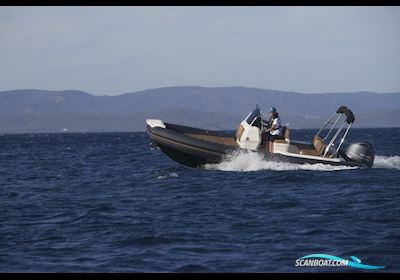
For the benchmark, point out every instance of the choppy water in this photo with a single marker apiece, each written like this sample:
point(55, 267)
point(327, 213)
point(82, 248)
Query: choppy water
point(106, 202)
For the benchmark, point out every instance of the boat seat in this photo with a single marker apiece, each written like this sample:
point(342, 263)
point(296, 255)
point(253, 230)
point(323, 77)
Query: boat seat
point(319, 147)
point(285, 138)
point(318, 144)
point(309, 152)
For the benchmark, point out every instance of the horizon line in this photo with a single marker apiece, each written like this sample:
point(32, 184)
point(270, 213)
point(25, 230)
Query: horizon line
point(203, 87)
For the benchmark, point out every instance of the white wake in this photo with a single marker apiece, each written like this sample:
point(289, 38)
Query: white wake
point(391, 162)
point(252, 161)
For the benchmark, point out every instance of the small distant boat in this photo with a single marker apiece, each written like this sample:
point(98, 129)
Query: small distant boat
point(196, 147)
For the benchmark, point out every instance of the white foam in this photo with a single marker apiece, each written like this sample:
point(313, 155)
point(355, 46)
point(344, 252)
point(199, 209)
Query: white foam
point(392, 162)
point(171, 175)
point(253, 161)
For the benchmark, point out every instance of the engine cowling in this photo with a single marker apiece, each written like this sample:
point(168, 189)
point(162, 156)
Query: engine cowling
point(361, 152)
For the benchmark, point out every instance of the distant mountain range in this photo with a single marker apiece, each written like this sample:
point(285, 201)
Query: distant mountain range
point(211, 108)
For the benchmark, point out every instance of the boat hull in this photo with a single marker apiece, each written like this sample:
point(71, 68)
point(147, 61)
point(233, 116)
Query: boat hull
point(185, 153)
point(193, 152)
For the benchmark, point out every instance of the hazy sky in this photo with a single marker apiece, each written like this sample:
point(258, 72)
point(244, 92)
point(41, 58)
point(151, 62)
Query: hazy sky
point(112, 50)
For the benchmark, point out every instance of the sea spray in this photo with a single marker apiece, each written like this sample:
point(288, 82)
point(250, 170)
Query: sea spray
point(387, 162)
point(245, 161)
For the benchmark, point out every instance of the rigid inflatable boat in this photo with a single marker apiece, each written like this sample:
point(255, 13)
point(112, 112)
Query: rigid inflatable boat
point(196, 147)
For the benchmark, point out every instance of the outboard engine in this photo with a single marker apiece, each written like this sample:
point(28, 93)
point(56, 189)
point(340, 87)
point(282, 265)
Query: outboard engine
point(361, 152)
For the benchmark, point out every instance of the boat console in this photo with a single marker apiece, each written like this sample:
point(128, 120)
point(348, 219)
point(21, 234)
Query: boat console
point(248, 134)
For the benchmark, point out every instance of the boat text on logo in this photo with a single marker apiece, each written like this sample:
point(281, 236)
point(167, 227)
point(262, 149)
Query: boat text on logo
point(315, 262)
point(329, 260)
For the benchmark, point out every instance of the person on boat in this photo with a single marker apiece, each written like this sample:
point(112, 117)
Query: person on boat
point(273, 130)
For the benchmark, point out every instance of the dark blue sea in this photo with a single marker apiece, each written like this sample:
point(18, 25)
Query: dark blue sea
point(106, 202)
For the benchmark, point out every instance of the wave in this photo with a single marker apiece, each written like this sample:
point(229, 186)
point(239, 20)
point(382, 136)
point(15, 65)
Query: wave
point(170, 175)
point(246, 161)
point(388, 162)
